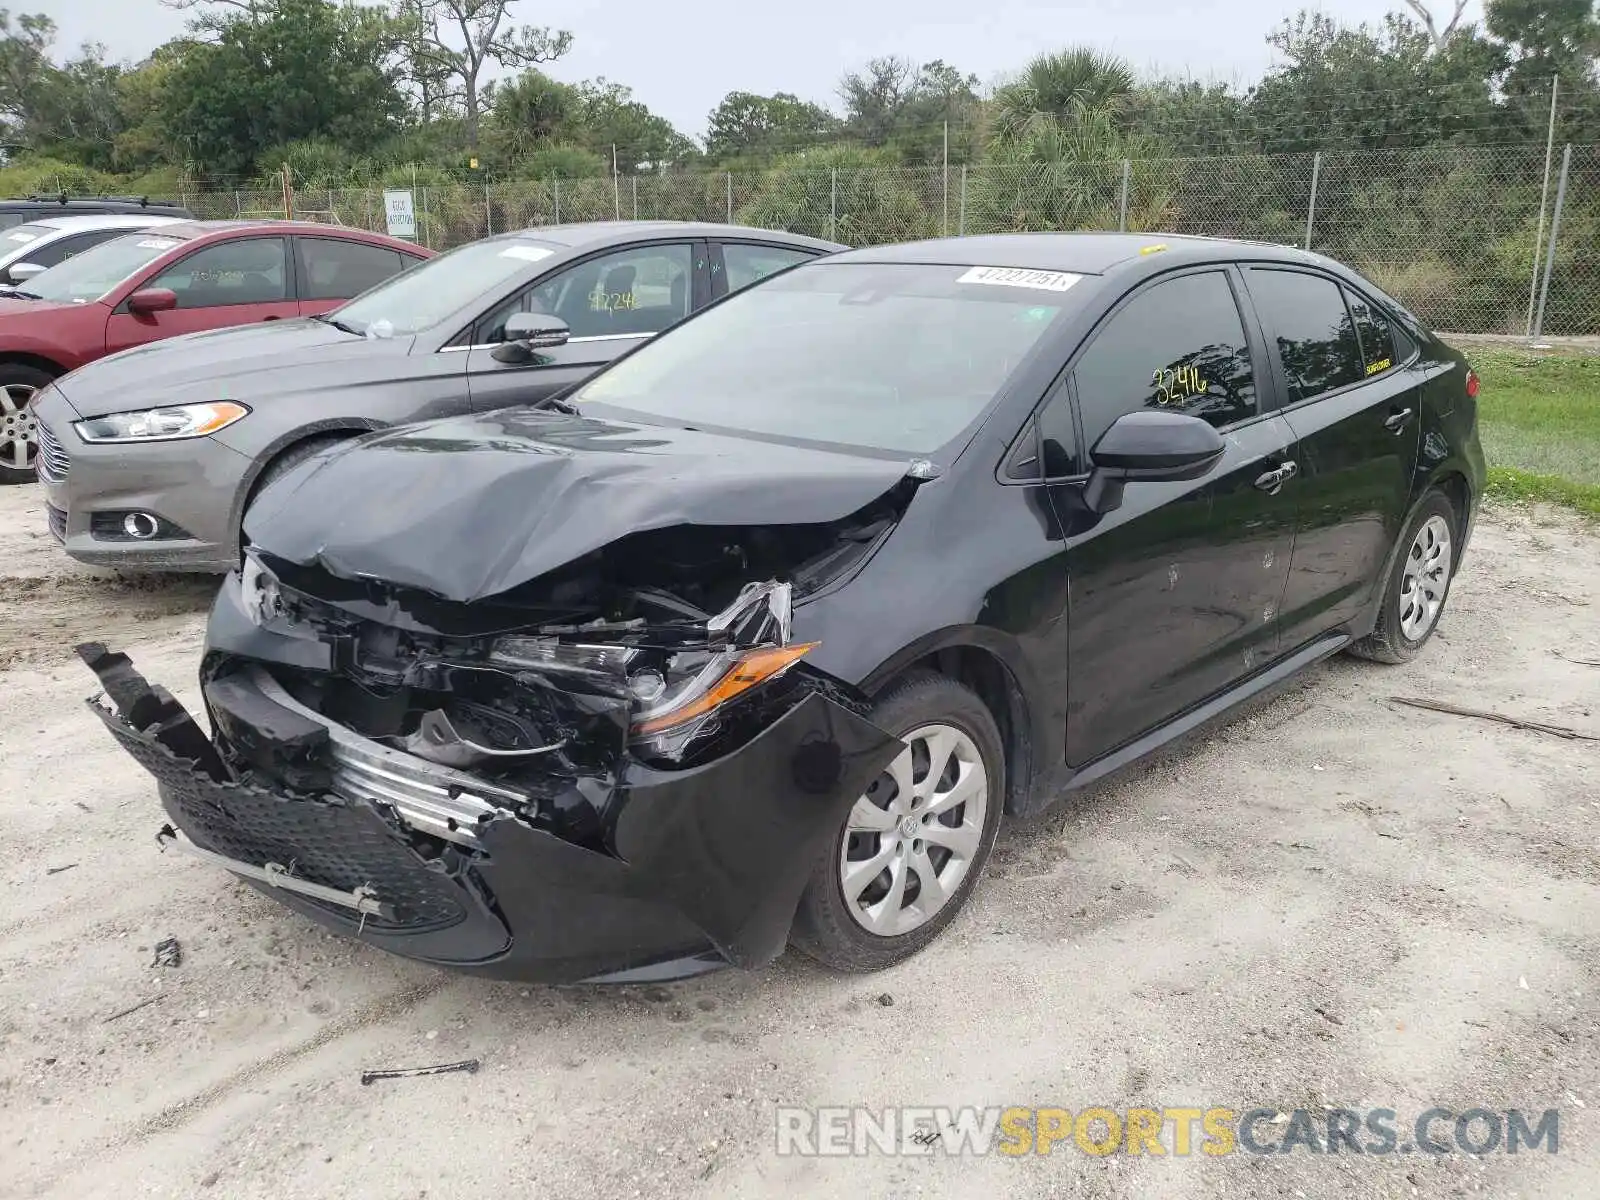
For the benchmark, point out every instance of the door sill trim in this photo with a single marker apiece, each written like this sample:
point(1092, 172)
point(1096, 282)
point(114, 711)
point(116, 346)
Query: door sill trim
point(1323, 647)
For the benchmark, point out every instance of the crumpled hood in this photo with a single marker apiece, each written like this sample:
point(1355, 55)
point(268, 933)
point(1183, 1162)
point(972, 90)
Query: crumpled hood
point(268, 358)
point(469, 507)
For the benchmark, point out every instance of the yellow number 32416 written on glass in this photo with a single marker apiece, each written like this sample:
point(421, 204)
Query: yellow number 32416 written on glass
point(1176, 386)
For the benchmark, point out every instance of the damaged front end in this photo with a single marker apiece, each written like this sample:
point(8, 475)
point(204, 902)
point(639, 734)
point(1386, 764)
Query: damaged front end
point(623, 769)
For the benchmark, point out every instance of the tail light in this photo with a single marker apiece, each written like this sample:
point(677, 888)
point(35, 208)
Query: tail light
point(1472, 384)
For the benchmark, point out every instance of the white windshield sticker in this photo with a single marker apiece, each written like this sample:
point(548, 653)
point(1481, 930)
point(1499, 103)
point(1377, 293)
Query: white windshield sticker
point(1022, 277)
point(19, 236)
point(526, 253)
point(158, 244)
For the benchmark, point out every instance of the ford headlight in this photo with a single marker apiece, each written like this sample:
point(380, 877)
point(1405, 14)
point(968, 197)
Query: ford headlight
point(162, 424)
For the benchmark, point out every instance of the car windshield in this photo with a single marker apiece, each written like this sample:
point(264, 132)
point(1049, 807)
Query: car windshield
point(99, 269)
point(431, 292)
point(898, 357)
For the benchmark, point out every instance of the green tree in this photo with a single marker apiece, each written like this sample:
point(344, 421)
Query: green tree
point(453, 41)
point(280, 72)
point(746, 125)
point(1058, 89)
point(894, 102)
point(608, 119)
point(1369, 88)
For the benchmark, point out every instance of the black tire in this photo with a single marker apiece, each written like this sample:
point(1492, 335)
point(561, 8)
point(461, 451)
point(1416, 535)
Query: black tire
point(825, 927)
point(14, 377)
point(1388, 642)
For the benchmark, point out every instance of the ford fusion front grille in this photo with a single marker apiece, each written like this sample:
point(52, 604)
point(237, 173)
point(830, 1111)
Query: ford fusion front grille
point(53, 462)
point(58, 522)
point(432, 798)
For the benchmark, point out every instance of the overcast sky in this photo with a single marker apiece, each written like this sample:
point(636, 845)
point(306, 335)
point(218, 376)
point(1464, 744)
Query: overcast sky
point(681, 58)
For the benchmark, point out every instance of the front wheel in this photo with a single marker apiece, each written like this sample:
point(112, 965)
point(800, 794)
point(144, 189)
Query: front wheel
point(1418, 585)
point(912, 846)
point(19, 431)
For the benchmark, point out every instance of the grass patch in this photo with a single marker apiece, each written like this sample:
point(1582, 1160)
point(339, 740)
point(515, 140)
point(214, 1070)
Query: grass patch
point(1539, 418)
point(1525, 487)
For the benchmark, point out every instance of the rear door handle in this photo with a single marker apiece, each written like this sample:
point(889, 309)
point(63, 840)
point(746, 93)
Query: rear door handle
point(272, 318)
point(1271, 481)
point(1396, 421)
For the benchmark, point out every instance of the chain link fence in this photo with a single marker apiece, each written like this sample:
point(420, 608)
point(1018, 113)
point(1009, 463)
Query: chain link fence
point(1460, 235)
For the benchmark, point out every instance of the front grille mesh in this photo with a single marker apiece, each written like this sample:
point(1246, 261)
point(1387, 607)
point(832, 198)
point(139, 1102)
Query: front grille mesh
point(53, 462)
point(339, 844)
point(58, 522)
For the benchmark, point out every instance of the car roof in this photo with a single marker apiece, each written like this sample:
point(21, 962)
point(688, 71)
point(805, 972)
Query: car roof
point(79, 222)
point(594, 234)
point(1078, 253)
point(190, 230)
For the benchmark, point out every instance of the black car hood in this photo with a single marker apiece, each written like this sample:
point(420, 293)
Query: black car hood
point(470, 507)
point(239, 363)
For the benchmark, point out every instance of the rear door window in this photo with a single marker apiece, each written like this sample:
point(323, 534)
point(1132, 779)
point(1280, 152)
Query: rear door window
point(1177, 346)
point(335, 269)
point(1314, 331)
point(1378, 350)
point(744, 264)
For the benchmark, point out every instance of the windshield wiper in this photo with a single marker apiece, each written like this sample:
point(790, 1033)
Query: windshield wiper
point(560, 406)
point(342, 326)
point(20, 294)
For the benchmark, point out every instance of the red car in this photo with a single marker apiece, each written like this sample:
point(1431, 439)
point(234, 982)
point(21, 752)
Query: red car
point(168, 280)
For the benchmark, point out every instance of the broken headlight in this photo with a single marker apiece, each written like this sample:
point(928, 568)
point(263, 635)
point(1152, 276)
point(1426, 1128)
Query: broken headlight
point(673, 694)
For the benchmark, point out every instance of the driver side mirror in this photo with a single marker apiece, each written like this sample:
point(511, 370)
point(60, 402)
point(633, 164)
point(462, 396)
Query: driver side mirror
point(1149, 447)
point(23, 271)
point(527, 332)
point(152, 300)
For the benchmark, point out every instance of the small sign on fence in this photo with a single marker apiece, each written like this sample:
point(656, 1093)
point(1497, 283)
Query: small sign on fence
point(401, 214)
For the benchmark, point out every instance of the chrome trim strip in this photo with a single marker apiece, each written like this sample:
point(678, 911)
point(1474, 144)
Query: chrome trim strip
point(596, 337)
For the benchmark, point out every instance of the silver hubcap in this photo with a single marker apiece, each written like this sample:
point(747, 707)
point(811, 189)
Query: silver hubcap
point(912, 836)
point(1425, 578)
point(19, 432)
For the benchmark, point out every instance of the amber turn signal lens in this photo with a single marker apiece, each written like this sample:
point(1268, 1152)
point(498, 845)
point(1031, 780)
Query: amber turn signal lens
point(748, 670)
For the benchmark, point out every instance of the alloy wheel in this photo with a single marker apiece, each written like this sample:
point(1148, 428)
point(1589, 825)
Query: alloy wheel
point(1425, 578)
point(19, 431)
point(913, 835)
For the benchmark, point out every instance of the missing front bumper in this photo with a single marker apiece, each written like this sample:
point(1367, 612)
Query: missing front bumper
point(701, 864)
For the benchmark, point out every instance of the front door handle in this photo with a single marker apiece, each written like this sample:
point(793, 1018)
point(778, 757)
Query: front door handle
point(1397, 420)
point(273, 318)
point(1272, 481)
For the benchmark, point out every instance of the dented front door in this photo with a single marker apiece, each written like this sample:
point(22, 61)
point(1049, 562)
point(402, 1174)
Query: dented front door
point(1175, 595)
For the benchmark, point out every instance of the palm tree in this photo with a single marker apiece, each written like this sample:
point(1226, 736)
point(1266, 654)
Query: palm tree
point(1060, 88)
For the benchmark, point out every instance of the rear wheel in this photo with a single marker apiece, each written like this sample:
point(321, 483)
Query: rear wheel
point(1418, 586)
point(19, 431)
point(912, 847)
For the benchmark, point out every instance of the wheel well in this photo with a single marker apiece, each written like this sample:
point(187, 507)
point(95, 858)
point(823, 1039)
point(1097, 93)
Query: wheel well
point(1454, 486)
point(37, 362)
point(988, 676)
point(333, 434)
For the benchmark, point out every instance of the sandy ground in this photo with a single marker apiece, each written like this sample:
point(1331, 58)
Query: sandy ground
point(1330, 901)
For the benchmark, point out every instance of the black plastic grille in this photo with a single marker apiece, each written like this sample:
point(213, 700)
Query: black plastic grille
point(338, 843)
point(58, 522)
point(53, 462)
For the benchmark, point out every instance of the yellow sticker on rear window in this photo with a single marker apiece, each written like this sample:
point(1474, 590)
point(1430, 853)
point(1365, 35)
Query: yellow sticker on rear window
point(1383, 364)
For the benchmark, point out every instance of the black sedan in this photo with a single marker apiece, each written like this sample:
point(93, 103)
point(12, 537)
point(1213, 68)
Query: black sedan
point(150, 457)
point(756, 637)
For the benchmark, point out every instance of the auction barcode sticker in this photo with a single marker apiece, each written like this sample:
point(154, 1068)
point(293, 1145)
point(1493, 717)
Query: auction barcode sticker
point(1023, 277)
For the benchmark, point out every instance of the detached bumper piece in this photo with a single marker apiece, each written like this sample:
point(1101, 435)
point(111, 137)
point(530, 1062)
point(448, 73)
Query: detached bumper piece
point(697, 868)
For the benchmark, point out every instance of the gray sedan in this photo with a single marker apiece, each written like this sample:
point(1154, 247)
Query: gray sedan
point(150, 457)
